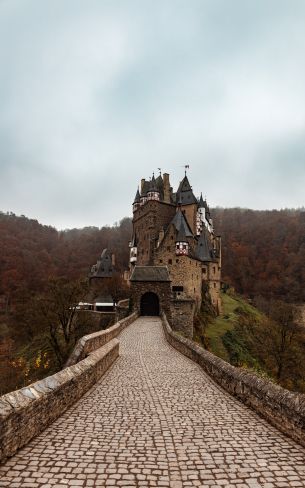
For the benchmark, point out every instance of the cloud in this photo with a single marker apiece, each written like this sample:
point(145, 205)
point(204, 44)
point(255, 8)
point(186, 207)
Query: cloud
point(94, 95)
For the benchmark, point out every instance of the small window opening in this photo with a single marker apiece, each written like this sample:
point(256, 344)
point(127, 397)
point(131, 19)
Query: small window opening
point(178, 288)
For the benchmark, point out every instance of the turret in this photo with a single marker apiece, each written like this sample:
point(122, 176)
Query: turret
point(136, 202)
point(182, 246)
point(200, 218)
point(153, 192)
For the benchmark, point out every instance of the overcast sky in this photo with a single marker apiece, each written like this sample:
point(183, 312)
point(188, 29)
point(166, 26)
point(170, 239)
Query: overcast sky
point(96, 94)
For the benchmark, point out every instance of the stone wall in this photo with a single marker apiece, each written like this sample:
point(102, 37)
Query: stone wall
point(122, 309)
point(182, 319)
point(282, 408)
point(91, 342)
point(27, 412)
point(161, 289)
point(183, 270)
point(148, 220)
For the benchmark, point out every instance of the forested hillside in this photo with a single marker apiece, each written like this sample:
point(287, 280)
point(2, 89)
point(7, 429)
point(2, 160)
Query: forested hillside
point(263, 258)
point(32, 253)
point(263, 252)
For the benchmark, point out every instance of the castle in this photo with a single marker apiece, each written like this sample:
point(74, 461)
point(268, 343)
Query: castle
point(174, 253)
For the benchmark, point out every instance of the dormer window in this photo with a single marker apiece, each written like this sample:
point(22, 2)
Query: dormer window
point(182, 248)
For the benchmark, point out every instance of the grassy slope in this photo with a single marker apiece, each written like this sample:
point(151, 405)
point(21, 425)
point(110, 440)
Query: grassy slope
point(226, 322)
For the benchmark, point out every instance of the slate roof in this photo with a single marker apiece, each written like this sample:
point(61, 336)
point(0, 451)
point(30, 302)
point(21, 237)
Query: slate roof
point(103, 299)
point(137, 197)
point(204, 250)
point(159, 182)
point(153, 184)
point(201, 202)
point(150, 273)
point(179, 221)
point(103, 267)
point(184, 185)
point(185, 193)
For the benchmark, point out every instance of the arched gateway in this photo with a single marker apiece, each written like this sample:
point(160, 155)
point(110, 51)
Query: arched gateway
point(150, 304)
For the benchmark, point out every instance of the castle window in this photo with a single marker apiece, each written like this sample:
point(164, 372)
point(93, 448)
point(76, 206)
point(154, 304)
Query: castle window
point(177, 261)
point(170, 261)
point(204, 270)
point(172, 237)
point(214, 285)
point(160, 260)
point(178, 288)
point(168, 248)
point(214, 269)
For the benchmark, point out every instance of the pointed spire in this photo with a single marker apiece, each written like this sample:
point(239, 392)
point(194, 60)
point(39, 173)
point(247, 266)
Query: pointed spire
point(137, 197)
point(153, 184)
point(181, 235)
point(185, 192)
point(204, 250)
point(201, 202)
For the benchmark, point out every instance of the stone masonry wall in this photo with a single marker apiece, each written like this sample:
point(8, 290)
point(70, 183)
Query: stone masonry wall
point(282, 408)
point(148, 221)
point(26, 412)
point(91, 342)
point(183, 270)
point(182, 319)
point(122, 309)
point(161, 289)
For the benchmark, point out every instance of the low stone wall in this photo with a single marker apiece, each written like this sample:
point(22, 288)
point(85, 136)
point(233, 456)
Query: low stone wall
point(282, 408)
point(27, 412)
point(122, 309)
point(93, 341)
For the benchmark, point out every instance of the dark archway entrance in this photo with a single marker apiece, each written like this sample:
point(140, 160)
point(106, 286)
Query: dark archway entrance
point(150, 304)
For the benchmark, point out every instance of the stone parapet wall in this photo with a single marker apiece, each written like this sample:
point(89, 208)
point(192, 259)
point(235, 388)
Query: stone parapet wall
point(282, 408)
point(122, 309)
point(27, 412)
point(91, 342)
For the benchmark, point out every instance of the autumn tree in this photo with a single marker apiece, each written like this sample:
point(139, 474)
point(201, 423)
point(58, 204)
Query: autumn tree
point(277, 341)
point(57, 310)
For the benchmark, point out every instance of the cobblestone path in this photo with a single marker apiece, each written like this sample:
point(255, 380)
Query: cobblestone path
point(155, 419)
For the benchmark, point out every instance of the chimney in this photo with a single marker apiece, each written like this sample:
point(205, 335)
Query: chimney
point(166, 186)
point(142, 185)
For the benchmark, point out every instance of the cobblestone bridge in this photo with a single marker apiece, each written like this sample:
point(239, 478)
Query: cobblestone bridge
point(156, 419)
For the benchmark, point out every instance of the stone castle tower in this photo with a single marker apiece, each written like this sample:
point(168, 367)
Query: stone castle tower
point(173, 252)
